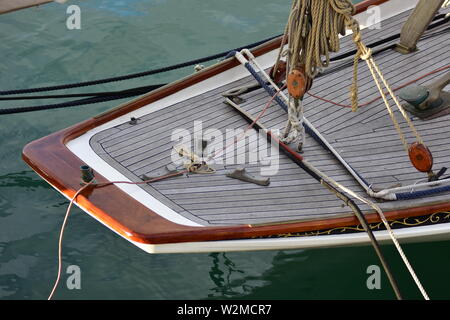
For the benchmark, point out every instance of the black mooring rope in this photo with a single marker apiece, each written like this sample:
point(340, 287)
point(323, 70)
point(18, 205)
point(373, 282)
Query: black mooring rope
point(98, 97)
point(137, 90)
point(133, 75)
point(66, 104)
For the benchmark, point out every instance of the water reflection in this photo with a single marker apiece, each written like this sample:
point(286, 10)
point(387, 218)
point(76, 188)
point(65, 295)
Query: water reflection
point(23, 179)
point(221, 271)
point(243, 275)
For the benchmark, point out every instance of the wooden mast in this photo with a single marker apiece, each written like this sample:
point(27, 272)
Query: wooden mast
point(417, 23)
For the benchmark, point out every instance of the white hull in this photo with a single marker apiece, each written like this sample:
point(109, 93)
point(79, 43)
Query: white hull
point(410, 235)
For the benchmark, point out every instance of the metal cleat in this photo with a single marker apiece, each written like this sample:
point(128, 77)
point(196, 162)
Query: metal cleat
point(241, 174)
point(426, 102)
point(235, 93)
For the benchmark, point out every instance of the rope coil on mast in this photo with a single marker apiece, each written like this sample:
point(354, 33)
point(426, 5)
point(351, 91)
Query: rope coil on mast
point(312, 32)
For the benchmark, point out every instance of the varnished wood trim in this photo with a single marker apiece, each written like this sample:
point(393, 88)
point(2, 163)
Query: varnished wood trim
point(362, 6)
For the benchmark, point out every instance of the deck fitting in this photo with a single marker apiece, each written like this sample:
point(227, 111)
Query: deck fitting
point(429, 101)
point(87, 174)
point(241, 174)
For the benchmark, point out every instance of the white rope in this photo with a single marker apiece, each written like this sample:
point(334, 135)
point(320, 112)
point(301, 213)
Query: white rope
point(294, 128)
point(61, 234)
point(385, 222)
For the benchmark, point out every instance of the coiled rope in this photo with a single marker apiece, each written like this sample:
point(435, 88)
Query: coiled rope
point(313, 32)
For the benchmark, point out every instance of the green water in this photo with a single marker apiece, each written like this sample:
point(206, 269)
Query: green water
point(119, 37)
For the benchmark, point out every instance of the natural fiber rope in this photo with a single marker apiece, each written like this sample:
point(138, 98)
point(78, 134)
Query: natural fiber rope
point(371, 63)
point(388, 107)
point(294, 127)
point(313, 32)
point(387, 226)
point(366, 54)
point(314, 27)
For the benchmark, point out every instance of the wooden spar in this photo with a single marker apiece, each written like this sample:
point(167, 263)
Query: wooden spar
point(417, 23)
point(300, 161)
point(13, 5)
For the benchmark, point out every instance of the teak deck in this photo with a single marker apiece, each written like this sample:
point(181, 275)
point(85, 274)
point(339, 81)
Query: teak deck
point(227, 207)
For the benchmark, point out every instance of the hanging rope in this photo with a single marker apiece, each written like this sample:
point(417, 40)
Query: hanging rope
point(61, 234)
point(389, 230)
point(313, 32)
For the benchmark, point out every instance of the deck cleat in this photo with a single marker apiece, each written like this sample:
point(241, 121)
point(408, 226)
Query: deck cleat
point(436, 176)
point(279, 75)
point(133, 120)
point(87, 175)
point(235, 93)
point(241, 174)
point(427, 102)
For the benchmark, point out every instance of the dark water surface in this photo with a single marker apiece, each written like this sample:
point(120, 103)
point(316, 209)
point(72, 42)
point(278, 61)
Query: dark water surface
point(120, 37)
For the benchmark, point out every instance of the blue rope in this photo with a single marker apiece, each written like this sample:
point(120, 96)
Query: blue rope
point(419, 194)
point(266, 87)
point(281, 103)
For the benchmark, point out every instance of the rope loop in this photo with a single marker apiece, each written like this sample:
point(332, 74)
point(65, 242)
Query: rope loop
point(366, 53)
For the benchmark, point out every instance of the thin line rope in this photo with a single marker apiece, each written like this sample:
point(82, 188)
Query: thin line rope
point(379, 96)
point(389, 109)
point(391, 234)
point(394, 97)
point(61, 234)
point(366, 54)
point(317, 175)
